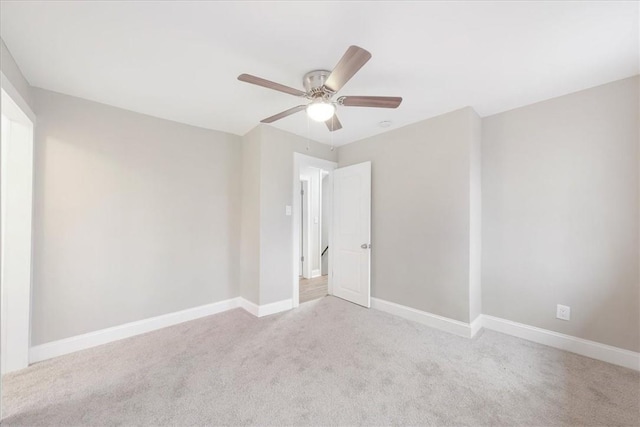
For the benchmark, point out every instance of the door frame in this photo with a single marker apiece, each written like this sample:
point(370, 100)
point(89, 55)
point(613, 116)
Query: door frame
point(305, 225)
point(17, 109)
point(300, 161)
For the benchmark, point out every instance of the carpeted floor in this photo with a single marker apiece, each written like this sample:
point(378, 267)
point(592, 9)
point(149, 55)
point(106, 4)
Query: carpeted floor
point(327, 363)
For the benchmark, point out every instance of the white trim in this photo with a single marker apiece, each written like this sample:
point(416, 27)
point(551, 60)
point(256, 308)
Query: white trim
point(92, 339)
point(592, 349)
point(275, 307)
point(14, 94)
point(267, 309)
point(305, 187)
point(52, 349)
point(476, 325)
point(61, 347)
point(595, 350)
point(455, 327)
point(249, 307)
point(17, 246)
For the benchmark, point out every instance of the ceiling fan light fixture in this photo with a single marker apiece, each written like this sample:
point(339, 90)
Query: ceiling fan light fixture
point(320, 110)
point(320, 86)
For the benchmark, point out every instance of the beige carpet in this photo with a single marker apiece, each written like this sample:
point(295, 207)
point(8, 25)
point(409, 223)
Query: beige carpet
point(327, 363)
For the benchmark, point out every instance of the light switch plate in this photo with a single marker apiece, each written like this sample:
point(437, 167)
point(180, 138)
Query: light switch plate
point(287, 210)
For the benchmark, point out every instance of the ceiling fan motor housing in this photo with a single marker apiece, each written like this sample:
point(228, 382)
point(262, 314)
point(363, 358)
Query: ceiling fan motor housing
point(313, 82)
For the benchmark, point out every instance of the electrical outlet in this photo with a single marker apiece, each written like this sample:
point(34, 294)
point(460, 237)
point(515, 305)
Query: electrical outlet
point(563, 312)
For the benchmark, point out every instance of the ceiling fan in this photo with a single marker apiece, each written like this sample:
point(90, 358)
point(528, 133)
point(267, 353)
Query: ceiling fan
point(321, 85)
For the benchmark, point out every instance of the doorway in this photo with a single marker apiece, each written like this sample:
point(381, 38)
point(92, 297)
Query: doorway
point(314, 232)
point(341, 223)
point(312, 225)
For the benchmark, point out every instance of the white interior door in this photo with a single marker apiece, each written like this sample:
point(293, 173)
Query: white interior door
point(352, 233)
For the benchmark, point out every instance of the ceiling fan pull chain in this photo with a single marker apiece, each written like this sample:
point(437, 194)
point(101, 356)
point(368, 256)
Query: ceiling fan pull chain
point(332, 127)
point(308, 134)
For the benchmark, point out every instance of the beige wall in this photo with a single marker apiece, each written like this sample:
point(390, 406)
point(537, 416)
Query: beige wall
point(421, 212)
point(475, 216)
point(560, 214)
point(250, 227)
point(134, 217)
point(267, 233)
point(137, 216)
point(276, 192)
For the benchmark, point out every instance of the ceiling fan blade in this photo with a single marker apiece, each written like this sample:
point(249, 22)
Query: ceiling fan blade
point(248, 78)
point(333, 123)
point(371, 101)
point(353, 59)
point(284, 114)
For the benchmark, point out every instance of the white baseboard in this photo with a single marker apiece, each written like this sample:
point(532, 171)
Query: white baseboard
point(92, 339)
point(249, 307)
point(275, 307)
point(455, 327)
point(52, 349)
point(595, 350)
point(476, 325)
point(266, 309)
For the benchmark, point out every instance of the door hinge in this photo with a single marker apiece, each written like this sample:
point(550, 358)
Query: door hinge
point(302, 258)
point(302, 192)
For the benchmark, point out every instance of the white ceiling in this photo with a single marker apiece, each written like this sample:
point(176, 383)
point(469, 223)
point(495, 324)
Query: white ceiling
point(180, 60)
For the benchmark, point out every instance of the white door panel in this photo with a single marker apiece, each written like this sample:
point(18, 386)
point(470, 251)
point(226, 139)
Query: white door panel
point(352, 233)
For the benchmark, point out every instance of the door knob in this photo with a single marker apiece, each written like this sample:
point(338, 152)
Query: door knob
point(365, 246)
